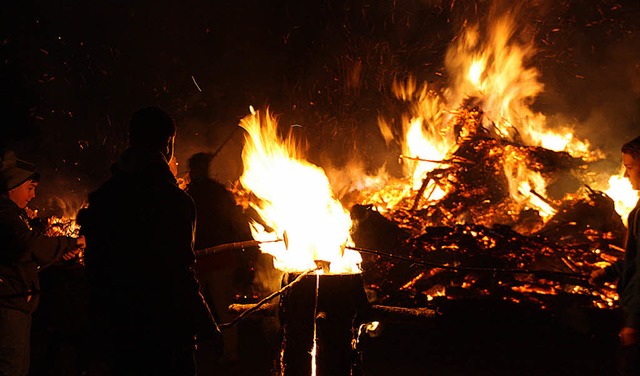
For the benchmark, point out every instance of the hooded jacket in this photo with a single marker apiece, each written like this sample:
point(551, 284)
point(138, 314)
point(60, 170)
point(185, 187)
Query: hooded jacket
point(22, 252)
point(139, 258)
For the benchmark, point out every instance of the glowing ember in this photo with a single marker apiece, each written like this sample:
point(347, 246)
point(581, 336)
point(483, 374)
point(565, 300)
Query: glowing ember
point(65, 223)
point(62, 226)
point(296, 201)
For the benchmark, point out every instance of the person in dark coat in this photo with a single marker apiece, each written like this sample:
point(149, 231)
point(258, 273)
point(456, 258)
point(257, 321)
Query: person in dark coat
point(146, 309)
point(23, 251)
point(219, 221)
point(627, 270)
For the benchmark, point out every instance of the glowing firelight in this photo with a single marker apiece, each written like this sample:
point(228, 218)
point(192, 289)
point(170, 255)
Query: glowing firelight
point(475, 71)
point(524, 182)
point(295, 200)
point(491, 87)
point(492, 66)
point(622, 194)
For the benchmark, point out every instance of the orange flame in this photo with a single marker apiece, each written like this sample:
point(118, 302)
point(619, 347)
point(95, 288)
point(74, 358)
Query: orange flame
point(296, 201)
point(426, 134)
point(492, 81)
point(523, 183)
point(492, 66)
point(622, 194)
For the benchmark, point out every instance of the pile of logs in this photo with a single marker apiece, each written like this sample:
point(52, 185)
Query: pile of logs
point(469, 244)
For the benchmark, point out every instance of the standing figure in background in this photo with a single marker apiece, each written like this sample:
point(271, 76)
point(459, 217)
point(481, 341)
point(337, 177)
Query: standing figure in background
point(23, 252)
point(220, 221)
point(145, 308)
point(627, 270)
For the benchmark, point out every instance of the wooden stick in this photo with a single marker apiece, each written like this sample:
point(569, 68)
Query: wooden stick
point(377, 310)
point(231, 246)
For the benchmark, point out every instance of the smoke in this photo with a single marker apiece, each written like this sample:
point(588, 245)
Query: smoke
point(589, 61)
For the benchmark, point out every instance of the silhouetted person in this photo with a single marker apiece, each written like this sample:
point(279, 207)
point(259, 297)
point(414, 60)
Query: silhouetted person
point(219, 221)
point(627, 270)
point(22, 252)
point(146, 309)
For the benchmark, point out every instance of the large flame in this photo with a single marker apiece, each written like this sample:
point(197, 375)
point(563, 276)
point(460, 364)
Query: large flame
point(492, 86)
point(492, 65)
point(426, 136)
point(296, 201)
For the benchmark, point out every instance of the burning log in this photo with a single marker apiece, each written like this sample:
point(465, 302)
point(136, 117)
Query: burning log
point(317, 319)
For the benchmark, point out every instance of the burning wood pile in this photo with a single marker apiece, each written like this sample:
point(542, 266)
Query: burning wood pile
point(479, 239)
point(491, 203)
point(497, 250)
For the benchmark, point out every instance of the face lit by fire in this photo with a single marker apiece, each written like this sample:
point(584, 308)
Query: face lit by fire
point(23, 193)
point(632, 170)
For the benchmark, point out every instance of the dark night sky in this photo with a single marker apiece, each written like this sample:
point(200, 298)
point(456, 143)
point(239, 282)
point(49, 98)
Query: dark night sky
point(74, 71)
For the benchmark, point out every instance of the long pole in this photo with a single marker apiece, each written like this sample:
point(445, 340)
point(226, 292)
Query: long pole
point(467, 268)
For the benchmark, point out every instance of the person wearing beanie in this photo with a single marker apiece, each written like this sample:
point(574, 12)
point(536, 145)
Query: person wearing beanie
point(627, 270)
point(22, 252)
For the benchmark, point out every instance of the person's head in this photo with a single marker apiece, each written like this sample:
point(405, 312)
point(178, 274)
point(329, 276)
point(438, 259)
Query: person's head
point(631, 161)
point(153, 129)
point(199, 165)
point(19, 179)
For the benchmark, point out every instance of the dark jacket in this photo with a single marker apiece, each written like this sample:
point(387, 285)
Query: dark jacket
point(22, 252)
point(628, 272)
point(139, 258)
point(219, 221)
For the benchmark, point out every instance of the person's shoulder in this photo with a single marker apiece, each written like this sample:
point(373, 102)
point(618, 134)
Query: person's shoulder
point(215, 185)
point(105, 190)
point(8, 207)
point(5, 203)
point(208, 187)
point(181, 195)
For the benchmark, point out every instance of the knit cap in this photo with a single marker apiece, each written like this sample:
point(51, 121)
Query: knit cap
point(14, 171)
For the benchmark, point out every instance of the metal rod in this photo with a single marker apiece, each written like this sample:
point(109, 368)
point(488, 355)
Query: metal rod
point(456, 161)
point(470, 269)
point(265, 300)
point(381, 311)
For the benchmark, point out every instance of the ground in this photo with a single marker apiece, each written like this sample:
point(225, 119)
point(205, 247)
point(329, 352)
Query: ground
point(481, 337)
